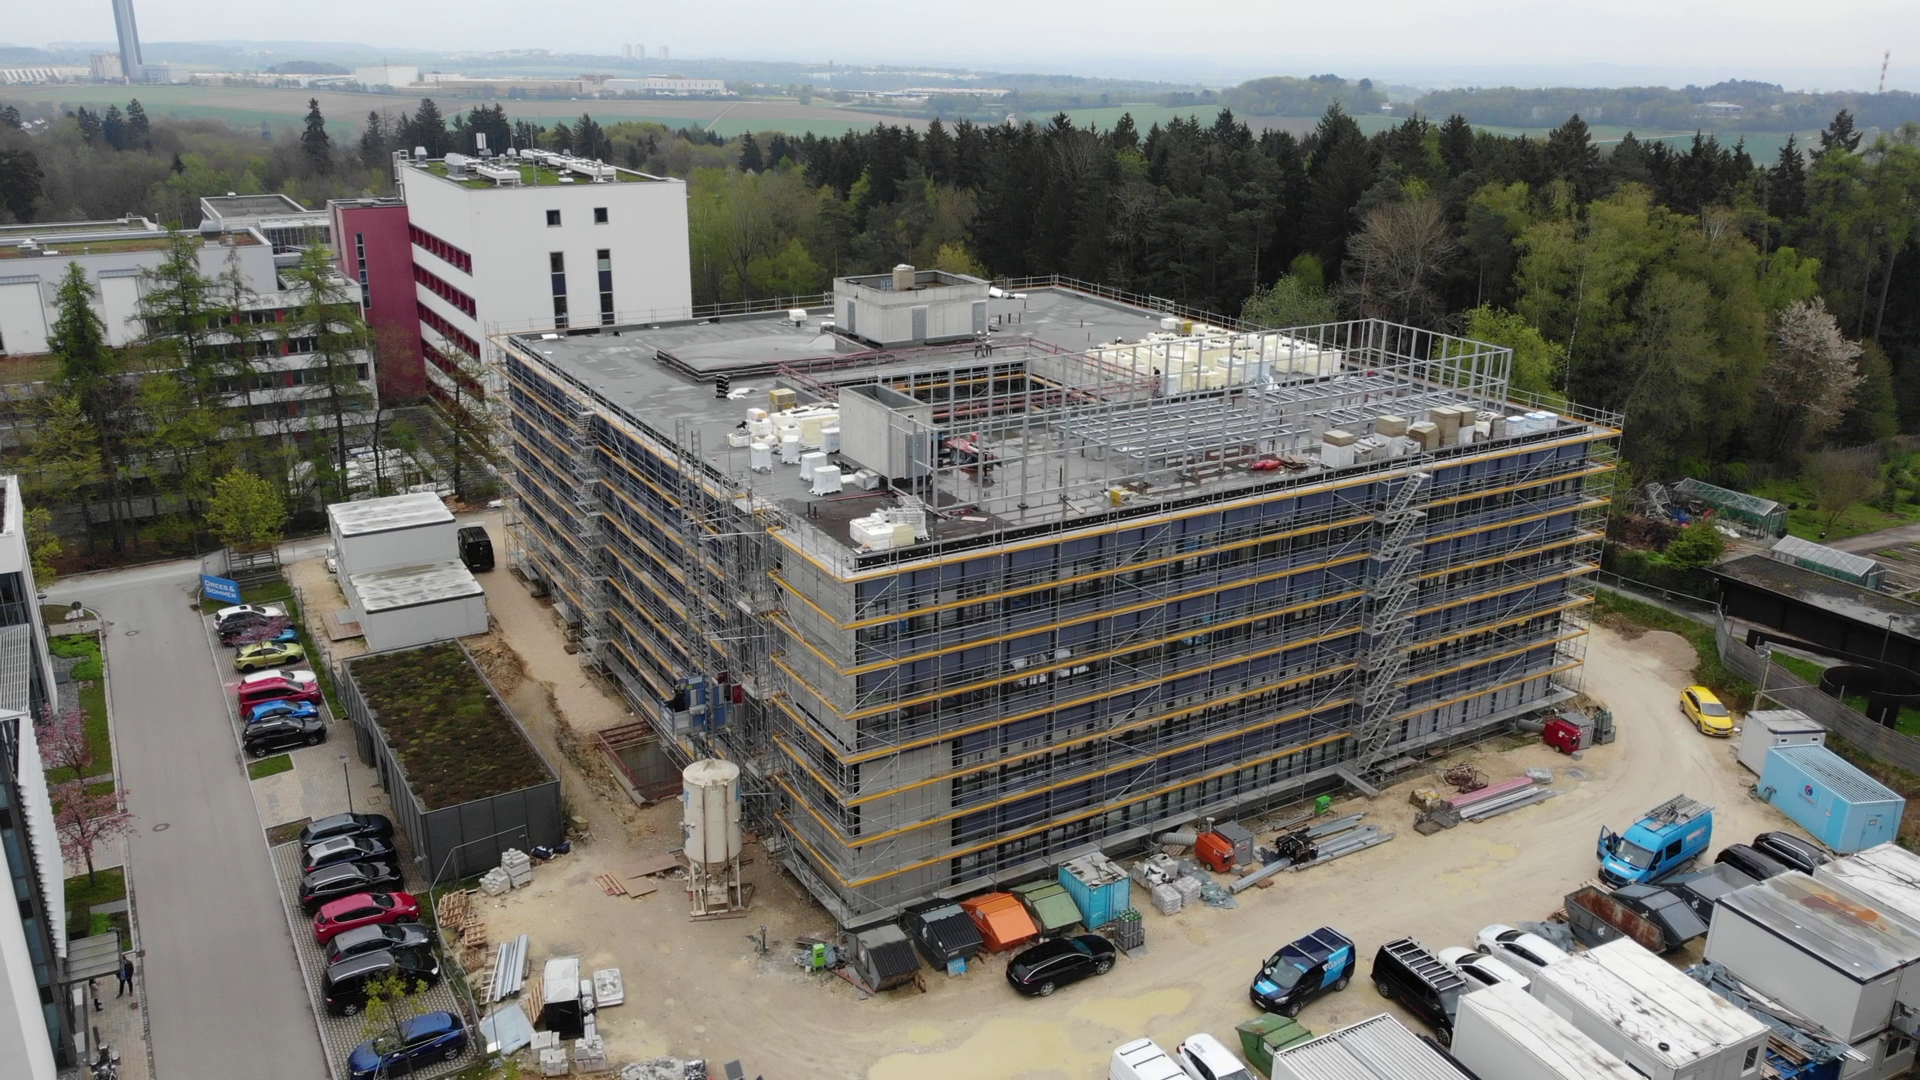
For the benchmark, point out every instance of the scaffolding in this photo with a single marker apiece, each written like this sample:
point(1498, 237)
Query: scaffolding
point(1136, 597)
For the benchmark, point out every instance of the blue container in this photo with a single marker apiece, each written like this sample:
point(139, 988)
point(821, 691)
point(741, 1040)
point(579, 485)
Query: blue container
point(1842, 807)
point(1099, 887)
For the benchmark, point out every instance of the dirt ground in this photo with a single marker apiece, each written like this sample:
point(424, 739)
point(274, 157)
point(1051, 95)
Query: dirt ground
point(700, 989)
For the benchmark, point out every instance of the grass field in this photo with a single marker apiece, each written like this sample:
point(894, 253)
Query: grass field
point(284, 108)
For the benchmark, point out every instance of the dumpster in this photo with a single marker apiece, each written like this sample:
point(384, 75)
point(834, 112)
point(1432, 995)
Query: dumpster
point(1003, 921)
point(1261, 1036)
point(1842, 807)
point(1051, 906)
point(1099, 887)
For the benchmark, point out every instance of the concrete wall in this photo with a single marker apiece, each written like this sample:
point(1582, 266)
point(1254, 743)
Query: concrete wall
point(419, 624)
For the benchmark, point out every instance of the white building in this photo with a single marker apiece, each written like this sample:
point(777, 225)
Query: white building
point(35, 1025)
point(668, 86)
point(400, 571)
point(286, 224)
point(538, 241)
point(387, 75)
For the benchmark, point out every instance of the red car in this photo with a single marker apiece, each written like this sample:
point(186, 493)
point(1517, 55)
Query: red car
point(363, 909)
point(278, 684)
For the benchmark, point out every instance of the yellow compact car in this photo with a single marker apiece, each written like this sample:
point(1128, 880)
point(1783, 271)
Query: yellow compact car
point(1706, 711)
point(267, 654)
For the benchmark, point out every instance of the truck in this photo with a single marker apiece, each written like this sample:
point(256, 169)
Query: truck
point(1666, 840)
point(1502, 1033)
point(1659, 919)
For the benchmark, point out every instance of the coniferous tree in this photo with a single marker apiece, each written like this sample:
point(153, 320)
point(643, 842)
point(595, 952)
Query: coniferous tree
point(20, 179)
point(428, 129)
point(1456, 145)
point(89, 124)
point(374, 142)
point(89, 371)
point(9, 117)
point(113, 128)
point(315, 145)
point(139, 128)
point(750, 159)
point(1839, 135)
point(590, 140)
point(326, 324)
point(1787, 183)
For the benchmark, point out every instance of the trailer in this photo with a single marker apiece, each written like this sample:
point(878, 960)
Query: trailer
point(1645, 1012)
point(1502, 1033)
point(1658, 919)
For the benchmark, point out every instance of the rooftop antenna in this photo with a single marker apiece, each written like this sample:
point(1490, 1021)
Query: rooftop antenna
point(1884, 61)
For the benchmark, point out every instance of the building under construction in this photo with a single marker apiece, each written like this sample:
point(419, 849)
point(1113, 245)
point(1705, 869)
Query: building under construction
point(969, 581)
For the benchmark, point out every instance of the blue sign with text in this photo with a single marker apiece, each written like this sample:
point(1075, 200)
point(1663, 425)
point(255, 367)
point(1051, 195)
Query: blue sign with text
point(219, 588)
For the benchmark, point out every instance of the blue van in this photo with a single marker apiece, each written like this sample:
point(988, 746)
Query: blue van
point(1303, 970)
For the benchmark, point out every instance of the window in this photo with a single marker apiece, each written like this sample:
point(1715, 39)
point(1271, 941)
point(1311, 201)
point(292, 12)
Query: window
point(1753, 1057)
point(604, 260)
point(553, 219)
point(557, 267)
point(439, 248)
point(599, 215)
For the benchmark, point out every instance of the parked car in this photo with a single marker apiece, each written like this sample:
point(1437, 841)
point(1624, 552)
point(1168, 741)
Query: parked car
point(277, 733)
point(344, 985)
point(434, 1036)
point(1479, 969)
point(363, 909)
point(1142, 1059)
point(375, 937)
point(1706, 712)
point(476, 548)
point(297, 710)
point(267, 611)
point(346, 849)
point(278, 684)
point(1796, 852)
point(1404, 971)
point(268, 654)
point(1040, 970)
point(1303, 970)
point(1530, 953)
point(247, 629)
point(1751, 861)
point(1205, 1058)
point(345, 879)
point(327, 828)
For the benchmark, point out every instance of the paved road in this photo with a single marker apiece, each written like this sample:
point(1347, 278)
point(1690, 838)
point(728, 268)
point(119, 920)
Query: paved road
point(223, 984)
point(1868, 543)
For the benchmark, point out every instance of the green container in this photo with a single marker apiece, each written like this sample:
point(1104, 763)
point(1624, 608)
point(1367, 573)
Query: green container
point(1267, 1034)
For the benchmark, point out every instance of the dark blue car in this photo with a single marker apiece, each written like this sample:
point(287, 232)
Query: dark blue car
point(297, 710)
point(429, 1037)
point(1303, 970)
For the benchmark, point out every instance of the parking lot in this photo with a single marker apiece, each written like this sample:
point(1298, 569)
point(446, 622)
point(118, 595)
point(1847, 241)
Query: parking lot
point(701, 990)
point(287, 800)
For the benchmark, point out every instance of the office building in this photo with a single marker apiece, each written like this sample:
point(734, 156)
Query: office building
point(537, 241)
point(35, 1023)
point(289, 227)
point(376, 253)
point(969, 582)
point(131, 66)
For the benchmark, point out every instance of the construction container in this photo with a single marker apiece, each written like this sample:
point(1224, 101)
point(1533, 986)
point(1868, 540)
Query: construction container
point(1261, 1036)
point(1502, 1033)
point(1644, 1011)
point(1051, 906)
point(1842, 807)
point(1099, 887)
point(1378, 1049)
point(1766, 729)
point(1834, 563)
point(1003, 920)
point(885, 957)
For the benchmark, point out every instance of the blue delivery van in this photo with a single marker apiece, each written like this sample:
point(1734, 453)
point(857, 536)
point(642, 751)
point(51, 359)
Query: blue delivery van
point(1842, 807)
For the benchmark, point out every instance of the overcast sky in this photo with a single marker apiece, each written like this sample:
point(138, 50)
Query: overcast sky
point(1834, 44)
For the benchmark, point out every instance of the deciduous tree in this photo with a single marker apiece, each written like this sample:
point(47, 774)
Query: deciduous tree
point(86, 820)
point(246, 510)
point(1811, 376)
point(1841, 480)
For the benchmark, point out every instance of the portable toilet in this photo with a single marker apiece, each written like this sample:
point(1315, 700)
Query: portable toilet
point(1842, 807)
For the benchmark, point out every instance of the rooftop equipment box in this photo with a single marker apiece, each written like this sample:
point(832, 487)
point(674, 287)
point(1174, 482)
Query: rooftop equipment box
point(1842, 807)
point(1643, 1010)
point(1502, 1033)
point(1764, 730)
point(1822, 950)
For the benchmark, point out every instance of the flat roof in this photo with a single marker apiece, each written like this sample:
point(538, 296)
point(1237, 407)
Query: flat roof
point(233, 206)
point(1843, 598)
point(1652, 1003)
point(531, 175)
point(407, 511)
point(1378, 1049)
point(1550, 1037)
point(412, 586)
point(13, 234)
point(1888, 873)
point(1840, 929)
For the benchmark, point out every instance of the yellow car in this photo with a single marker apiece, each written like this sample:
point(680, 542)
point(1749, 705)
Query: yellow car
point(1706, 711)
point(267, 654)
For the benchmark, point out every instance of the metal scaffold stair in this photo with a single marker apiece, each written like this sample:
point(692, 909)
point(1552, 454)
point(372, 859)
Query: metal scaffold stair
point(1393, 581)
point(587, 515)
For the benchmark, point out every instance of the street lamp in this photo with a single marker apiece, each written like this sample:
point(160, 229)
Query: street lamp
point(347, 777)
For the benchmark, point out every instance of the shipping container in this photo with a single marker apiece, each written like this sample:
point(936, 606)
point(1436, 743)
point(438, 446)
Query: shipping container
point(1502, 1033)
point(1842, 807)
point(1645, 1012)
point(1378, 1049)
point(1763, 730)
point(1099, 887)
point(1825, 951)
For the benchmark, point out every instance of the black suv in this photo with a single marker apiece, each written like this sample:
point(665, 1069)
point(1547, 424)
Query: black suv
point(1796, 853)
point(283, 732)
point(345, 984)
point(1404, 971)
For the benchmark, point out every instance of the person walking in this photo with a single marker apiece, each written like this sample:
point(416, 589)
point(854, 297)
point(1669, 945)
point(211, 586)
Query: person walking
point(126, 975)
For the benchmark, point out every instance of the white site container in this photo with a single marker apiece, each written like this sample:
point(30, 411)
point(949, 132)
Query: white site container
point(399, 530)
point(1502, 1033)
point(1650, 1015)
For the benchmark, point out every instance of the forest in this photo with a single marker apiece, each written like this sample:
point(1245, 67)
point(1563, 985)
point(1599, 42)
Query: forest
point(1745, 314)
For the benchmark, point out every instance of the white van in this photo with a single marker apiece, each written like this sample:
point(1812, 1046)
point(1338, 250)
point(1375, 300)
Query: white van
point(1142, 1059)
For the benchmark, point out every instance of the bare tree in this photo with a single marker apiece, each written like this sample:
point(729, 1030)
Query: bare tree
point(1811, 377)
point(1396, 261)
point(1842, 479)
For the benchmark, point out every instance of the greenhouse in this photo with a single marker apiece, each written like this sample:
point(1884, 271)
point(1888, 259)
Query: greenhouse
point(1752, 511)
point(1832, 562)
